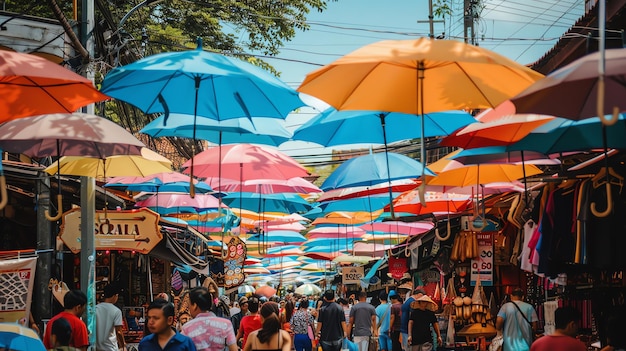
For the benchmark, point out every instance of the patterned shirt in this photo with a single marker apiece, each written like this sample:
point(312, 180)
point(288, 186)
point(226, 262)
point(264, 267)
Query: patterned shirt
point(209, 332)
point(300, 321)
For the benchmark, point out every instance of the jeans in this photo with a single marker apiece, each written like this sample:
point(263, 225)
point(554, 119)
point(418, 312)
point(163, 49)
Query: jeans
point(405, 342)
point(384, 342)
point(362, 342)
point(334, 345)
point(302, 342)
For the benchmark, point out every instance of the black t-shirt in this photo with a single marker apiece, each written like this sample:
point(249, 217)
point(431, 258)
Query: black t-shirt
point(331, 317)
point(421, 326)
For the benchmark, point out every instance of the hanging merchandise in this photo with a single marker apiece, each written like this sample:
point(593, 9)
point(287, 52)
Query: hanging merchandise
point(233, 264)
point(397, 267)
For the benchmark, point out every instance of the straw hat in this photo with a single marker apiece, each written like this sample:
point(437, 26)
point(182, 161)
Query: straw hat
point(432, 305)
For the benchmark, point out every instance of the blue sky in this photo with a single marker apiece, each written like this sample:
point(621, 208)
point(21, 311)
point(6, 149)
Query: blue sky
point(522, 30)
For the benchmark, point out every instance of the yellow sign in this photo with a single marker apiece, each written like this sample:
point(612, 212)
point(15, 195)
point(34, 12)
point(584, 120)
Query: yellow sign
point(133, 230)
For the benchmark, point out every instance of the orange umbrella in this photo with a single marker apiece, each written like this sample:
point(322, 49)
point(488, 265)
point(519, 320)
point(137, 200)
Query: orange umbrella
point(31, 85)
point(436, 202)
point(483, 174)
point(265, 290)
point(501, 132)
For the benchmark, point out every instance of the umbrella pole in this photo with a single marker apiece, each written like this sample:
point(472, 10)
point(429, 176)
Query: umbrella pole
point(382, 124)
point(420, 88)
point(192, 190)
point(524, 174)
point(59, 196)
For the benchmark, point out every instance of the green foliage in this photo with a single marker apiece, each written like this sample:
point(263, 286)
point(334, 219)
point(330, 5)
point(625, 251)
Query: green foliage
point(38, 8)
point(442, 8)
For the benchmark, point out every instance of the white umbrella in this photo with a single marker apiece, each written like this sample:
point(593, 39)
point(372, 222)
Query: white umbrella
point(308, 289)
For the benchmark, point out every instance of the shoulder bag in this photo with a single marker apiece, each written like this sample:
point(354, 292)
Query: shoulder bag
point(532, 331)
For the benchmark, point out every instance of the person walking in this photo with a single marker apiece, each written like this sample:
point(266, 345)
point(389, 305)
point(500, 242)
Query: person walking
point(60, 335)
point(109, 322)
point(363, 320)
point(208, 331)
point(420, 321)
point(270, 337)
point(518, 321)
point(566, 321)
point(406, 314)
point(74, 303)
point(383, 314)
point(300, 323)
point(243, 311)
point(395, 322)
point(331, 324)
point(163, 336)
point(251, 322)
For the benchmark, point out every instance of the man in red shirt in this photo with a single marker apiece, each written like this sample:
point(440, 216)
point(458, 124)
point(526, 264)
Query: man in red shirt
point(250, 322)
point(566, 325)
point(74, 304)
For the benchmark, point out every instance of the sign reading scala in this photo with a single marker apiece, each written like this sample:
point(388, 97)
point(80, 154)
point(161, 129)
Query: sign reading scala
point(133, 230)
point(352, 275)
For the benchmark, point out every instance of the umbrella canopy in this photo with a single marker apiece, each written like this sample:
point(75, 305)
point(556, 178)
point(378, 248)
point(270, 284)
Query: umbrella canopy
point(277, 236)
point(15, 337)
point(335, 232)
point(346, 258)
point(398, 185)
point(397, 227)
point(284, 202)
point(482, 174)
point(502, 154)
point(265, 131)
point(504, 131)
point(368, 204)
point(246, 161)
point(265, 186)
point(246, 289)
point(201, 83)
point(181, 202)
point(112, 166)
point(155, 186)
point(564, 135)
point(436, 202)
point(31, 85)
point(308, 289)
point(163, 178)
point(265, 290)
point(572, 91)
point(373, 169)
point(386, 76)
point(67, 134)
point(333, 127)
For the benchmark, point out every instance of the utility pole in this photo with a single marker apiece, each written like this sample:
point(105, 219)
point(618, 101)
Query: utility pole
point(469, 19)
point(87, 188)
point(431, 20)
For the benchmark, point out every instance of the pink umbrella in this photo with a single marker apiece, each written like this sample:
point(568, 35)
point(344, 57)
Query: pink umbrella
point(182, 202)
point(397, 227)
point(372, 250)
point(265, 186)
point(398, 185)
point(244, 162)
point(266, 291)
point(336, 232)
point(165, 177)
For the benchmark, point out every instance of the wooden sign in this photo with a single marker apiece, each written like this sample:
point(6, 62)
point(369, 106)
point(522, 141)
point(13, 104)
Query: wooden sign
point(132, 230)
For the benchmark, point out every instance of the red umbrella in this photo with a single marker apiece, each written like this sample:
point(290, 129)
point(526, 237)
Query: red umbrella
point(244, 162)
point(436, 202)
point(265, 290)
point(31, 85)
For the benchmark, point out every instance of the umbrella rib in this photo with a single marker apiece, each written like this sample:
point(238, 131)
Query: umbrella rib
point(44, 88)
point(476, 85)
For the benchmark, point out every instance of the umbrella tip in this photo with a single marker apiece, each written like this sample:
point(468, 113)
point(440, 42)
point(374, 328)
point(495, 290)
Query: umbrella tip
point(199, 42)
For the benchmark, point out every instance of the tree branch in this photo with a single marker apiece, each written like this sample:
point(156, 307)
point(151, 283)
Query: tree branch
point(68, 29)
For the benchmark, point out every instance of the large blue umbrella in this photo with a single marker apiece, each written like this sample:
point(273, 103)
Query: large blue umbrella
point(16, 337)
point(253, 130)
point(333, 127)
point(500, 154)
point(201, 83)
point(374, 169)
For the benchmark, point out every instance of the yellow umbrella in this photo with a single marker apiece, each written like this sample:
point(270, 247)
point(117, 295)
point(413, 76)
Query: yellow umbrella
point(348, 218)
point(483, 174)
point(113, 166)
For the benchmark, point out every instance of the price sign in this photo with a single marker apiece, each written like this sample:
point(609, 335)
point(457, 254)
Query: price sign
point(482, 266)
point(352, 275)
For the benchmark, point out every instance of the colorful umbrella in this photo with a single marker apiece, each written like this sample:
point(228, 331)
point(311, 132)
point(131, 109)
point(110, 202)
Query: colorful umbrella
point(31, 85)
point(265, 290)
point(15, 337)
point(504, 131)
point(277, 236)
point(267, 131)
point(244, 162)
point(112, 166)
point(332, 127)
point(154, 186)
point(572, 91)
point(308, 289)
point(67, 134)
point(246, 289)
point(398, 185)
point(397, 227)
point(436, 202)
point(373, 169)
point(179, 202)
point(482, 174)
point(284, 202)
point(335, 232)
point(265, 186)
point(502, 154)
